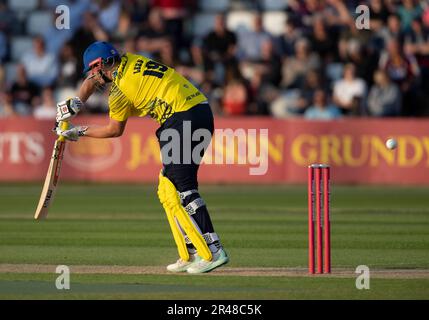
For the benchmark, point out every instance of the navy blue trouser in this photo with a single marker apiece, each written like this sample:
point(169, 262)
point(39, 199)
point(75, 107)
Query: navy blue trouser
point(184, 176)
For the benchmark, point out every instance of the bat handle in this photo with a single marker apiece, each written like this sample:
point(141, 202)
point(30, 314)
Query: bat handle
point(64, 125)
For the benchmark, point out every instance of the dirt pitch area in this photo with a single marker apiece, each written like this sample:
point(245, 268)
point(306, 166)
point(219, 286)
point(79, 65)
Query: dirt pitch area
point(226, 271)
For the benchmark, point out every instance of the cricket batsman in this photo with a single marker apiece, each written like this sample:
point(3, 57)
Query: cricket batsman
point(138, 87)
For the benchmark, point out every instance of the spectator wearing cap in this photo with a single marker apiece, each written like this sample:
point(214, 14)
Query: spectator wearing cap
point(40, 66)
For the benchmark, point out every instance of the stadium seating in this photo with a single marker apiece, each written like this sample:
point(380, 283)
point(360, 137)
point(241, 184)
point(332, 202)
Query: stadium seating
point(38, 22)
point(20, 45)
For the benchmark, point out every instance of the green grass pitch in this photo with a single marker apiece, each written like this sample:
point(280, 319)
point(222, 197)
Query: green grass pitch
point(118, 228)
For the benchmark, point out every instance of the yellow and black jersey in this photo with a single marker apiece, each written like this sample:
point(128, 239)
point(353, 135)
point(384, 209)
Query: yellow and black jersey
point(143, 87)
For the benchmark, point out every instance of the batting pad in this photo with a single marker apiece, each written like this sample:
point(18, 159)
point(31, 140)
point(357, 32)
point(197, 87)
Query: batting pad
point(170, 200)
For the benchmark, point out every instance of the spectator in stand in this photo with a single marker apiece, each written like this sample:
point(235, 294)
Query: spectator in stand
point(349, 91)
point(154, 36)
point(6, 105)
point(3, 47)
point(286, 41)
point(45, 106)
point(379, 13)
point(296, 67)
point(174, 13)
point(250, 42)
point(384, 99)
point(320, 109)
point(126, 29)
point(337, 14)
point(404, 71)
point(323, 42)
point(392, 30)
point(55, 38)
point(218, 50)
point(23, 91)
point(236, 95)
point(417, 44)
point(263, 76)
point(408, 11)
point(364, 59)
point(69, 69)
point(89, 32)
point(108, 14)
point(312, 83)
point(41, 66)
point(9, 23)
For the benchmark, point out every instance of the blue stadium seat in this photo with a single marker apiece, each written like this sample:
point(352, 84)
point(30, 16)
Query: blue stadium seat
point(19, 46)
point(39, 22)
point(22, 5)
point(273, 5)
point(214, 5)
point(10, 72)
point(203, 23)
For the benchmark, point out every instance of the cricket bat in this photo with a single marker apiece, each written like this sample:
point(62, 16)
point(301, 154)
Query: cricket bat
point(52, 177)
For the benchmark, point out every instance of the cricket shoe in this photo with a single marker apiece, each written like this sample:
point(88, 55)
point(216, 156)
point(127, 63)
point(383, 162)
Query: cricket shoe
point(182, 265)
point(219, 258)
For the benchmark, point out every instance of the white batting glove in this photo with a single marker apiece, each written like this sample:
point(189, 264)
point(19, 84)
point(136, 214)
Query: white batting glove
point(72, 133)
point(68, 109)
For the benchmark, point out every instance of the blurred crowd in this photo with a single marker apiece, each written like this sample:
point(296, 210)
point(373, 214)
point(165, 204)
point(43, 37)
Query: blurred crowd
point(282, 58)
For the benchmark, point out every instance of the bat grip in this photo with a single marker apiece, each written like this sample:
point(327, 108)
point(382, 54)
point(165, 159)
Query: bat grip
point(64, 125)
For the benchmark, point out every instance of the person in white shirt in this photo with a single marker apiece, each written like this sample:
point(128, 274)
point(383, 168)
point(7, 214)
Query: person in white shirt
point(47, 109)
point(41, 66)
point(349, 91)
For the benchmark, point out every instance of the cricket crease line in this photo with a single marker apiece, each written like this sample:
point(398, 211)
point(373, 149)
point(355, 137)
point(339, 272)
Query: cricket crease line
point(225, 271)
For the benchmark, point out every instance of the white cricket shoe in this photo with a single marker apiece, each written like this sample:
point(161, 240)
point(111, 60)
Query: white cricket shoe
point(219, 258)
point(182, 265)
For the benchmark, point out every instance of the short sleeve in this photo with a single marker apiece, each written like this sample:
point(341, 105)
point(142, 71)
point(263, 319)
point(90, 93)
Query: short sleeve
point(119, 104)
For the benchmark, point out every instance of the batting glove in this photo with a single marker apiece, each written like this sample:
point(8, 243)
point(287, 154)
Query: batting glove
point(68, 109)
point(72, 133)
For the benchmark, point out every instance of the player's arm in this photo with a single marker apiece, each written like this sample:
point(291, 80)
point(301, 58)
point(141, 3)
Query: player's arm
point(113, 129)
point(86, 89)
point(69, 108)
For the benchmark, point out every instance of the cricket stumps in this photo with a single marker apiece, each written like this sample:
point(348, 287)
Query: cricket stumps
point(319, 242)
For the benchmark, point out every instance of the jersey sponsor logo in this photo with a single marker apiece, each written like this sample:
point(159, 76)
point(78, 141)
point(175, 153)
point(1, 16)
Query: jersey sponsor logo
point(160, 110)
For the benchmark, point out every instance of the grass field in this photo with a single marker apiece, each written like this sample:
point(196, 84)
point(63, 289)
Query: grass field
point(116, 240)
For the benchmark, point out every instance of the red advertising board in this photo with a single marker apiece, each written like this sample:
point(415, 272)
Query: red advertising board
point(244, 150)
